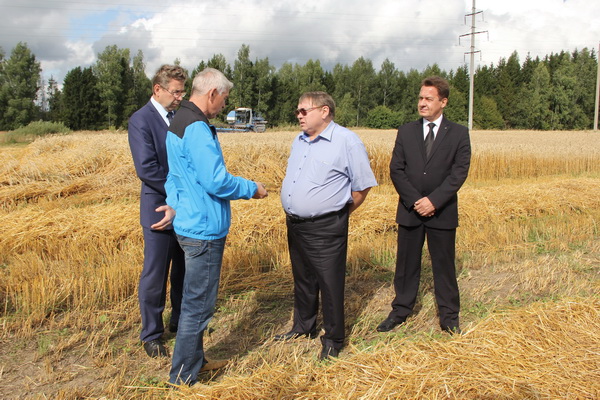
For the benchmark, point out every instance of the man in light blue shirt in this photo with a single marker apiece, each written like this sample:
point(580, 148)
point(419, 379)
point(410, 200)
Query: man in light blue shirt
point(328, 177)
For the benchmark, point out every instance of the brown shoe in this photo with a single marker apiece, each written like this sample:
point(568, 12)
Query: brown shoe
point(212, 365)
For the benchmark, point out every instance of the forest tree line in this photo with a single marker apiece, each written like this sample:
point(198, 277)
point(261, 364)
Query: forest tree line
point(553, 93)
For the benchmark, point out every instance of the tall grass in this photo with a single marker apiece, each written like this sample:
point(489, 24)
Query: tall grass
point(33, 131)
point(71, 254)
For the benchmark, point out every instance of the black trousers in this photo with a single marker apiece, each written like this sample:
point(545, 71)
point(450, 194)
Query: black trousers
point(318, 250)
point(441, 244)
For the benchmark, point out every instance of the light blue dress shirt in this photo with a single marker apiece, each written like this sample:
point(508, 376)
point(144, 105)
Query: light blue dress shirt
point(161, 110)
point(322, 174)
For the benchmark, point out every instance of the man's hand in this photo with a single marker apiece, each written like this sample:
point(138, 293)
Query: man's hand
point(261, 191)
point(164, 223)
point(424, 207)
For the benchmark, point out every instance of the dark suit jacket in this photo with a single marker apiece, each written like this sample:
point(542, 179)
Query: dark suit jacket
point(437, 178)
point(147, 136)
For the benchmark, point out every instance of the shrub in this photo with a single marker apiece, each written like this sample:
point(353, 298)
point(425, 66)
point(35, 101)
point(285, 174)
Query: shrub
point(382, 117)
point(33, 130)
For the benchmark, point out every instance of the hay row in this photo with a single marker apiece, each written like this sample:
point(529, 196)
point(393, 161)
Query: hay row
point(547, 350)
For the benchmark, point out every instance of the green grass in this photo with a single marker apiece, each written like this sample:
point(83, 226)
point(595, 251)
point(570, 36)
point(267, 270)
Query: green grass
point(32, 131)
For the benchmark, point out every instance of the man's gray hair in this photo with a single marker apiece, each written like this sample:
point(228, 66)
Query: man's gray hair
point(210, 78)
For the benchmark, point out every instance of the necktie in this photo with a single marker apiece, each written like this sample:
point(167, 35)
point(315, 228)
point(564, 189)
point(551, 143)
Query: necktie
point(170, 116)
point(429, 139)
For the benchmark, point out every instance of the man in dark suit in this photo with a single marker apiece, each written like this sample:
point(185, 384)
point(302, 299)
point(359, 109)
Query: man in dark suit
point(430, 162)
point(147, 133)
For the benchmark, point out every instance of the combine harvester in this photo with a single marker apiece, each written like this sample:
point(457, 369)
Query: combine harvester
point(244, 120)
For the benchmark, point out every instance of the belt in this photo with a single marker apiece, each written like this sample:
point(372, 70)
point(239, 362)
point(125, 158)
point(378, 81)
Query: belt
point(296, 219)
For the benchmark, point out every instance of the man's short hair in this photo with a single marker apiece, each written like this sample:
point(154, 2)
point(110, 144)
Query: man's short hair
point(166, 73)
point(211, 78)
point(440, 84)
point(319, 99)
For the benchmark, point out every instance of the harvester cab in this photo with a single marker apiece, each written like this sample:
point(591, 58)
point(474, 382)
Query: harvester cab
point(245, 120)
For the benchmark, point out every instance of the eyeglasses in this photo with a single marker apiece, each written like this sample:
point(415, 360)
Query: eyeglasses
point(305, 111)
point(177, 93)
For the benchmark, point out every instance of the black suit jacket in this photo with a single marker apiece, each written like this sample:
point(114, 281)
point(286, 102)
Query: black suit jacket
point(439, 177)
point(147, 141)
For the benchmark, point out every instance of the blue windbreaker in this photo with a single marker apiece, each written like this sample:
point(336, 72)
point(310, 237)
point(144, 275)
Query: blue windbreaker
point(198, 185)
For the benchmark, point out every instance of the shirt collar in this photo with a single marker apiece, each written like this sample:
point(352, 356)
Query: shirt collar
point(326, 134)
point(161, 110)
point(437, 122)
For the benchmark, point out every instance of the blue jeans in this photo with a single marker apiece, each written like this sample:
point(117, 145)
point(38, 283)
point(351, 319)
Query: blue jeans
point(203, 260)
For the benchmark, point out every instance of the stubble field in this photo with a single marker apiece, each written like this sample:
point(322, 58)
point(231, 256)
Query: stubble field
point(528, 253)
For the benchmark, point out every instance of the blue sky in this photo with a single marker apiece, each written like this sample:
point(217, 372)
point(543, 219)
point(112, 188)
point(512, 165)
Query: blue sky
point(64, 34)
point(90, 27)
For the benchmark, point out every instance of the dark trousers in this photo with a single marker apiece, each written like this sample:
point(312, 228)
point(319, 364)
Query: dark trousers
point(318, 253)
point(161, 250)
point(441, 244)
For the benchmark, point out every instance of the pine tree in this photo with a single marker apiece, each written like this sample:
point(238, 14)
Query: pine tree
point(110, 70)
point(218, 61)
point(388, 84)
point(142, 86)
point(54, 101)
point(286, 93)
point(80, 100)
point(242, 94)
point(486, 114)
point(509, 79)
point(409, 103)
point(19, 85)
point(264, 73)
point(310, 76)
point(537, 92)
point(363, 77)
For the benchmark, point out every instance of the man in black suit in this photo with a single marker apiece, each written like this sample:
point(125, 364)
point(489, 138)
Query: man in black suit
point(147, 134)
point(430, 162)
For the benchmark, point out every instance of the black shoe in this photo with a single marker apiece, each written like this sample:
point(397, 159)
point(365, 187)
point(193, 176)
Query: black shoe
point(155, 348)
point(328, 352)
point(453, 330)
point(389, 323)
point(293, 335)
point(173, 327)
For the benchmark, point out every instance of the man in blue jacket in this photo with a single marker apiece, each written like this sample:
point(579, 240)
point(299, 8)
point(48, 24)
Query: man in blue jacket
point(199, 189)
point(147, 134)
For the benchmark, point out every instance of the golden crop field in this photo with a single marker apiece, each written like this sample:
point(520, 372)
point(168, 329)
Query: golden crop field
point(528, 252)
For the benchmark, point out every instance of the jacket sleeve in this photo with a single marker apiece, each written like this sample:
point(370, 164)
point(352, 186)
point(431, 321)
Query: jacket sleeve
point(458, 172)
point(144, 153)
point(408, 193)
point(171, 199)
point(209, 165)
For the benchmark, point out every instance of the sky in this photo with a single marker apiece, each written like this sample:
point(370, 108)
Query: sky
point(413, 34)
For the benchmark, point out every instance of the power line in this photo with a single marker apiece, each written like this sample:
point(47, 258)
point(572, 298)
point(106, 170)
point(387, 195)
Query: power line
point(473, 14)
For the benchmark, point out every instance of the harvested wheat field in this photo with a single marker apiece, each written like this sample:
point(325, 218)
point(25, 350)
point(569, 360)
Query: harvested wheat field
point(528, 252)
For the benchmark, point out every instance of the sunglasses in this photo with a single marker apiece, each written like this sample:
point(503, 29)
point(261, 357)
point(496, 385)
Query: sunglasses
point(305, 111)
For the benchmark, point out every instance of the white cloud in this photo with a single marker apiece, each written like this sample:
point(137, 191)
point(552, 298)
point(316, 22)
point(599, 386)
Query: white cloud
point(412, 34)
